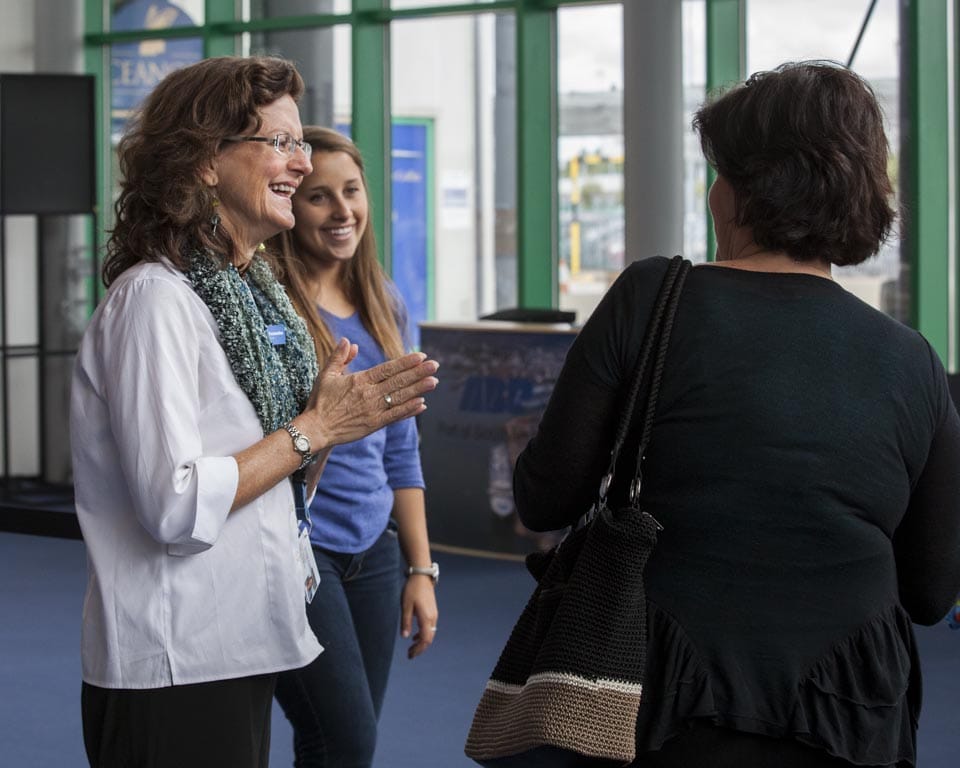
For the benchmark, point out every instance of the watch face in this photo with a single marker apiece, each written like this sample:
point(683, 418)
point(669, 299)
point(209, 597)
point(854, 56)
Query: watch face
point(302, 444)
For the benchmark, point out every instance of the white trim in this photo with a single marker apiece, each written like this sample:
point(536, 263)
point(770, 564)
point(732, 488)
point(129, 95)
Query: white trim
point(565, 678)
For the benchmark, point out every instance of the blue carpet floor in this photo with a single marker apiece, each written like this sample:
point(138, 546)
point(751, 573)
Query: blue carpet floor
point(429, 702)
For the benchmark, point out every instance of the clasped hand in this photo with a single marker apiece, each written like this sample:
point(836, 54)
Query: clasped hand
point(345, 407)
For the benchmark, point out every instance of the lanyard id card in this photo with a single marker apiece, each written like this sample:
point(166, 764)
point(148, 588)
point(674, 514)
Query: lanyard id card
point(308, 563)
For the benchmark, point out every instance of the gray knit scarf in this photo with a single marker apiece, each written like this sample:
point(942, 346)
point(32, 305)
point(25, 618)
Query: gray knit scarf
point(276, 378)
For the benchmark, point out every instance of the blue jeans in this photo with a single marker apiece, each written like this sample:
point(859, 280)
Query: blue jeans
point(334, 702)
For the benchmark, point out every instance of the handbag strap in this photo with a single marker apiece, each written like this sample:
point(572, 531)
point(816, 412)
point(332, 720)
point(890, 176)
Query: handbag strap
point(664, 342)
point(659, 328)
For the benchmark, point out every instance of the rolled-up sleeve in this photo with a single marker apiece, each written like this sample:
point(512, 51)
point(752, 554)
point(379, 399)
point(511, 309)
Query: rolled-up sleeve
point(150, 353)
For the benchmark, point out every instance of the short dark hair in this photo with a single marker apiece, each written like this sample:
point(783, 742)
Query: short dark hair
point(164, 207)
point(804, 150)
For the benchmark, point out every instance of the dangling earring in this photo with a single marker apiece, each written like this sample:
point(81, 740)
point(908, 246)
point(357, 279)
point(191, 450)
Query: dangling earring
point(262, 247)
point(215, 219)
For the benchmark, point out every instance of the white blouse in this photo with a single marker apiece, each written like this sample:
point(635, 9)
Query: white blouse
point(179, 589)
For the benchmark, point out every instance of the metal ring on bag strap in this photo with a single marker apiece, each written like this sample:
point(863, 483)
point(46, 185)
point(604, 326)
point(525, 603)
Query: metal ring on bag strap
point(652, 335)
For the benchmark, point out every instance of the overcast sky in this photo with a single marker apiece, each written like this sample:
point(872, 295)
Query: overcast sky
point(590, 39)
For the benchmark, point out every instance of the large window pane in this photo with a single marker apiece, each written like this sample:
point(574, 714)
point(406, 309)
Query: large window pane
point(590, 154)
point(453, 102)
point(779, 31)
point(322, 57)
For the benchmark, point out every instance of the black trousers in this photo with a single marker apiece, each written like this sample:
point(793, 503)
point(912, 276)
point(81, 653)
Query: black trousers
point(221, 724)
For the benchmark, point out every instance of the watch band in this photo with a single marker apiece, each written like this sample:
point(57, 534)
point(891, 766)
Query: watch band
point(433, 571)
point(301, 444)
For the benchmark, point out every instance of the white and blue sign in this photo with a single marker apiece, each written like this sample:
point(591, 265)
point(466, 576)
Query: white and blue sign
point(137, 67)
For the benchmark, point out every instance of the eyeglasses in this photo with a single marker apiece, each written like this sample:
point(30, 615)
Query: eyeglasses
point(283, 143)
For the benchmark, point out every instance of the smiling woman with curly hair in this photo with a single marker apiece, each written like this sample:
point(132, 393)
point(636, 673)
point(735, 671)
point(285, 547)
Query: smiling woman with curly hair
point(200, 423)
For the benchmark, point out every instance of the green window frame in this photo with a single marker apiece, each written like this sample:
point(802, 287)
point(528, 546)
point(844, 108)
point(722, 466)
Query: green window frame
point(369, 21)
point(929, 30)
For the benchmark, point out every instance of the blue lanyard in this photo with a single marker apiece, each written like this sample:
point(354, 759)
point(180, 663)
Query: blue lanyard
point(299, 482)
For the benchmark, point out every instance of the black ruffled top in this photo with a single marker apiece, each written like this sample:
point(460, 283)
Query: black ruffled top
point(860, 701)
point(803, 466)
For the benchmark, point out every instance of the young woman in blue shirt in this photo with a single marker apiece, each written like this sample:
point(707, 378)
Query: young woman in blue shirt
point(370, 508)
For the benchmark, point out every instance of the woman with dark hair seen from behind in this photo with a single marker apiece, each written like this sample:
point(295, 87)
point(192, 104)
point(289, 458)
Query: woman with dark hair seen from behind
point(372, 498)
point(804, 454)
point(200, 426)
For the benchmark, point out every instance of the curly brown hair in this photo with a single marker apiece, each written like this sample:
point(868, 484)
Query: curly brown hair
point(364, 281)
point(164, 208)
point(804, 149)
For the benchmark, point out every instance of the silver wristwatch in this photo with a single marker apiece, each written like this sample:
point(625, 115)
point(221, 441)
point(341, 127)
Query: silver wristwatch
point(301, 444)
point(433, 571)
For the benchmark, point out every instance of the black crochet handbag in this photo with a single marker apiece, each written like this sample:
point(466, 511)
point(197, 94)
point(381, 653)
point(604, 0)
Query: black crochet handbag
point(568, 683)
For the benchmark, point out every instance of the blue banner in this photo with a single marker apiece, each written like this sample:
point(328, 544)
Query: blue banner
point(409, 217)
point(409, 221)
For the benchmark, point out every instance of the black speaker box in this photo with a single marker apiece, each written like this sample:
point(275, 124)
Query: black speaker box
point(47, 150)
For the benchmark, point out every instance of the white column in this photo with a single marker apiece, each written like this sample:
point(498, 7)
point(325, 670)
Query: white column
point(653, 128)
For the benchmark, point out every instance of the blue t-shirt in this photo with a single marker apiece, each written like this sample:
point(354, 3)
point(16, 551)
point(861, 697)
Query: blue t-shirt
point(355, 495)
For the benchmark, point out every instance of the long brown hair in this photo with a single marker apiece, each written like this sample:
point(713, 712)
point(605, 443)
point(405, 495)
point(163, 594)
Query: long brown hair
point(164, 208)
point(363, 280)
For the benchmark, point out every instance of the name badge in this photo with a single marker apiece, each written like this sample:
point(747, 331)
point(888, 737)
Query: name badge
point(277, 334)
point(308, 566)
